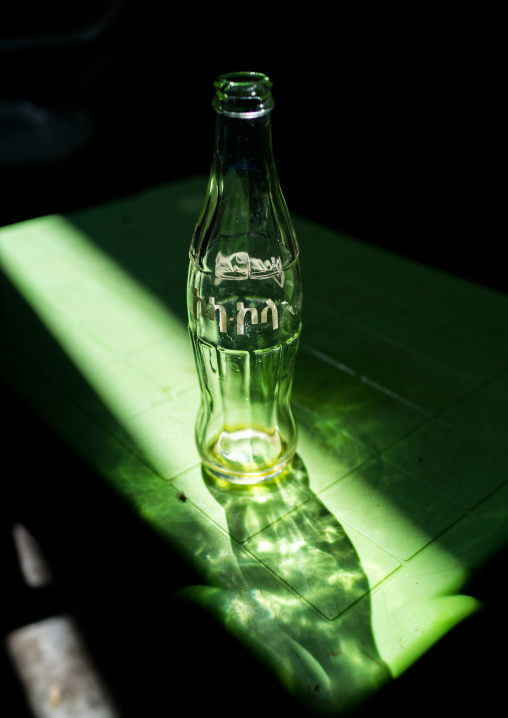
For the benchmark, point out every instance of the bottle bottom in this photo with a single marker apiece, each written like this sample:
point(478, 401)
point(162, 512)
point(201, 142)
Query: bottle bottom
point(247, 456)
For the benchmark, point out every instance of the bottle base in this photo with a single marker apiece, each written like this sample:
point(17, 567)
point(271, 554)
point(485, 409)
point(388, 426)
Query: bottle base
point(246, 456)
point(246, 479)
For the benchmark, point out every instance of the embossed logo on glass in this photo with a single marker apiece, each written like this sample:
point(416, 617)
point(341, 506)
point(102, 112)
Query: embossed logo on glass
point(240, 265)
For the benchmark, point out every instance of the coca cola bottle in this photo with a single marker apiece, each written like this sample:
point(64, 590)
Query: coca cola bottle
point(244, 294)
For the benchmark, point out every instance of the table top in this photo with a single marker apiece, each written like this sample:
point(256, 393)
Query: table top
point(341, 573)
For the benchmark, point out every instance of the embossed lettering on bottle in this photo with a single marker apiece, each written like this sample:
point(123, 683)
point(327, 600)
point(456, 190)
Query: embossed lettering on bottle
point(210, 313)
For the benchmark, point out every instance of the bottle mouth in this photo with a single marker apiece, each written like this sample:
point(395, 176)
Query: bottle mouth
point(243, 94)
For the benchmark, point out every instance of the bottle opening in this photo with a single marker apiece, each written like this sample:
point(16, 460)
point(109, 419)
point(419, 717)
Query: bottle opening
point(243, 94)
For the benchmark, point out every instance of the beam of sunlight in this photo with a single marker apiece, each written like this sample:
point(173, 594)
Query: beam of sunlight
point(116, 333)
point(335, 573)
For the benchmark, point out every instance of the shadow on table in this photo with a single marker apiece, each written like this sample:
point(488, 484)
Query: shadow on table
point(328, 664)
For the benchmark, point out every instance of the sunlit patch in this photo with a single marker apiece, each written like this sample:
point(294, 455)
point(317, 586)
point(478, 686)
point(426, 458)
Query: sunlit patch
point(104, 320)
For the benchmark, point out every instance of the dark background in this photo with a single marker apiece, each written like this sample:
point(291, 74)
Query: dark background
point(388, 126)
point(389, 121)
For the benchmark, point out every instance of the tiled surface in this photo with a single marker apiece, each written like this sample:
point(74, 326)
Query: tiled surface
point(317, 567)
point(460, 350)
point(424, 383)
point(398, 512)
point(482, 416)
point(451, 463)
point(347, 569)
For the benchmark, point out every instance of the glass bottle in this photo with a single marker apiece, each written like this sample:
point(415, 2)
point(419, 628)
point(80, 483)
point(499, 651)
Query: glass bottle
point(244, 294)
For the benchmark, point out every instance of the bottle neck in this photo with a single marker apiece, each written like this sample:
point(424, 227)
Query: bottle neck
point(244, 203)
point(243, 147)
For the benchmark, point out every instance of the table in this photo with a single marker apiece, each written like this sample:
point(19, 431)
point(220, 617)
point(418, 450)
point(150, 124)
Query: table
point(342, 574)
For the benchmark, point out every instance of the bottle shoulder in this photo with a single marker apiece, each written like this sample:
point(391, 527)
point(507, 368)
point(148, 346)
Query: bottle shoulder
point(245, 222)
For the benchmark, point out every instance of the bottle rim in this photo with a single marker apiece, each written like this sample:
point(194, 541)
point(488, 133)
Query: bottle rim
point(243, 94)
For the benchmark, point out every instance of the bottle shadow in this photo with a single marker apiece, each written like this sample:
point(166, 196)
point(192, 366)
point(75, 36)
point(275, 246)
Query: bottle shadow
point(309, 615)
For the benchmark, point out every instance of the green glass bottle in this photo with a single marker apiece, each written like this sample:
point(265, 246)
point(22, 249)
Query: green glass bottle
point(244, 294)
